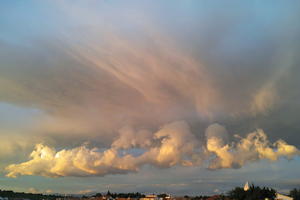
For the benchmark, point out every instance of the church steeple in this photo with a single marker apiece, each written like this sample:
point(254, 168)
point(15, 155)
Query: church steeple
point(246, 187)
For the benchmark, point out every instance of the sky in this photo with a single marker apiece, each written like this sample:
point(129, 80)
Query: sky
point(183, 97)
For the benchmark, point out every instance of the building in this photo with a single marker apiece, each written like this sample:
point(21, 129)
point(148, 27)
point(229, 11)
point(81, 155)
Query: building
point(246, 187)
point(122, 198)
point(282, 197)
point(150, 197)
point(168, 197)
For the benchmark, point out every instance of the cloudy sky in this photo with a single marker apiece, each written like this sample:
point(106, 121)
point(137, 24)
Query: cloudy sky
point(184, 97)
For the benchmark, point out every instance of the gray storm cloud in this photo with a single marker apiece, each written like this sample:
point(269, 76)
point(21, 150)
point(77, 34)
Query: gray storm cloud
point(175, 145)
point(125, 88)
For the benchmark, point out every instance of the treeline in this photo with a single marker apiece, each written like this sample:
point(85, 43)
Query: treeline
point(200, 197)
point(254, 193)
point(121, 195)
point(257, 193)
point(22, 195)
point(295, 193)
point(238, 193)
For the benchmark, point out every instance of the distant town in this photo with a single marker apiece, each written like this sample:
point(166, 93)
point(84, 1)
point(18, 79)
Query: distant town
point(248, 192)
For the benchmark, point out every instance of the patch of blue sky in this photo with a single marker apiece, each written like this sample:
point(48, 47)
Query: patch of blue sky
point(12, 116)
point(21, 21)
point(133, 151)
point(121, 152)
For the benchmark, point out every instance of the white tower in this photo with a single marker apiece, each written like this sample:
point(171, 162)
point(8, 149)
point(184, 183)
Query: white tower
point(246, 187)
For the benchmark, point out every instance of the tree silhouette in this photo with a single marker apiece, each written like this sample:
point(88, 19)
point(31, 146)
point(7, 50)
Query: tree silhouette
point(254, 193)
point(295, 193)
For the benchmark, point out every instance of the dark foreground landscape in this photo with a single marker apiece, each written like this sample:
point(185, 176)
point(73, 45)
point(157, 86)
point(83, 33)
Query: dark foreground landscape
point(247, 193)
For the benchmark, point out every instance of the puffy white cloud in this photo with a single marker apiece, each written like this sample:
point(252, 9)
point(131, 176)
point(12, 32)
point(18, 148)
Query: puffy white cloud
point(174, 144)
point(218, 132)
point(129, 138)
point(79, 161)
point(177, 146)
point(253, 147)
point(169, 149)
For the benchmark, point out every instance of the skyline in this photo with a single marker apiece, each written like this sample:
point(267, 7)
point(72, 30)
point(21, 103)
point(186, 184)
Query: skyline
point(173, 96)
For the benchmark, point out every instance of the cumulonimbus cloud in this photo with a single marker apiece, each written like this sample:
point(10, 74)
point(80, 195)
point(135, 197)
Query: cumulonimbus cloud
point(113, 85)
point(173, 144)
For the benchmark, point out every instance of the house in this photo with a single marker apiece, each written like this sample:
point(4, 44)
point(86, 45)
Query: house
point(282, 197)
point(150, 197)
